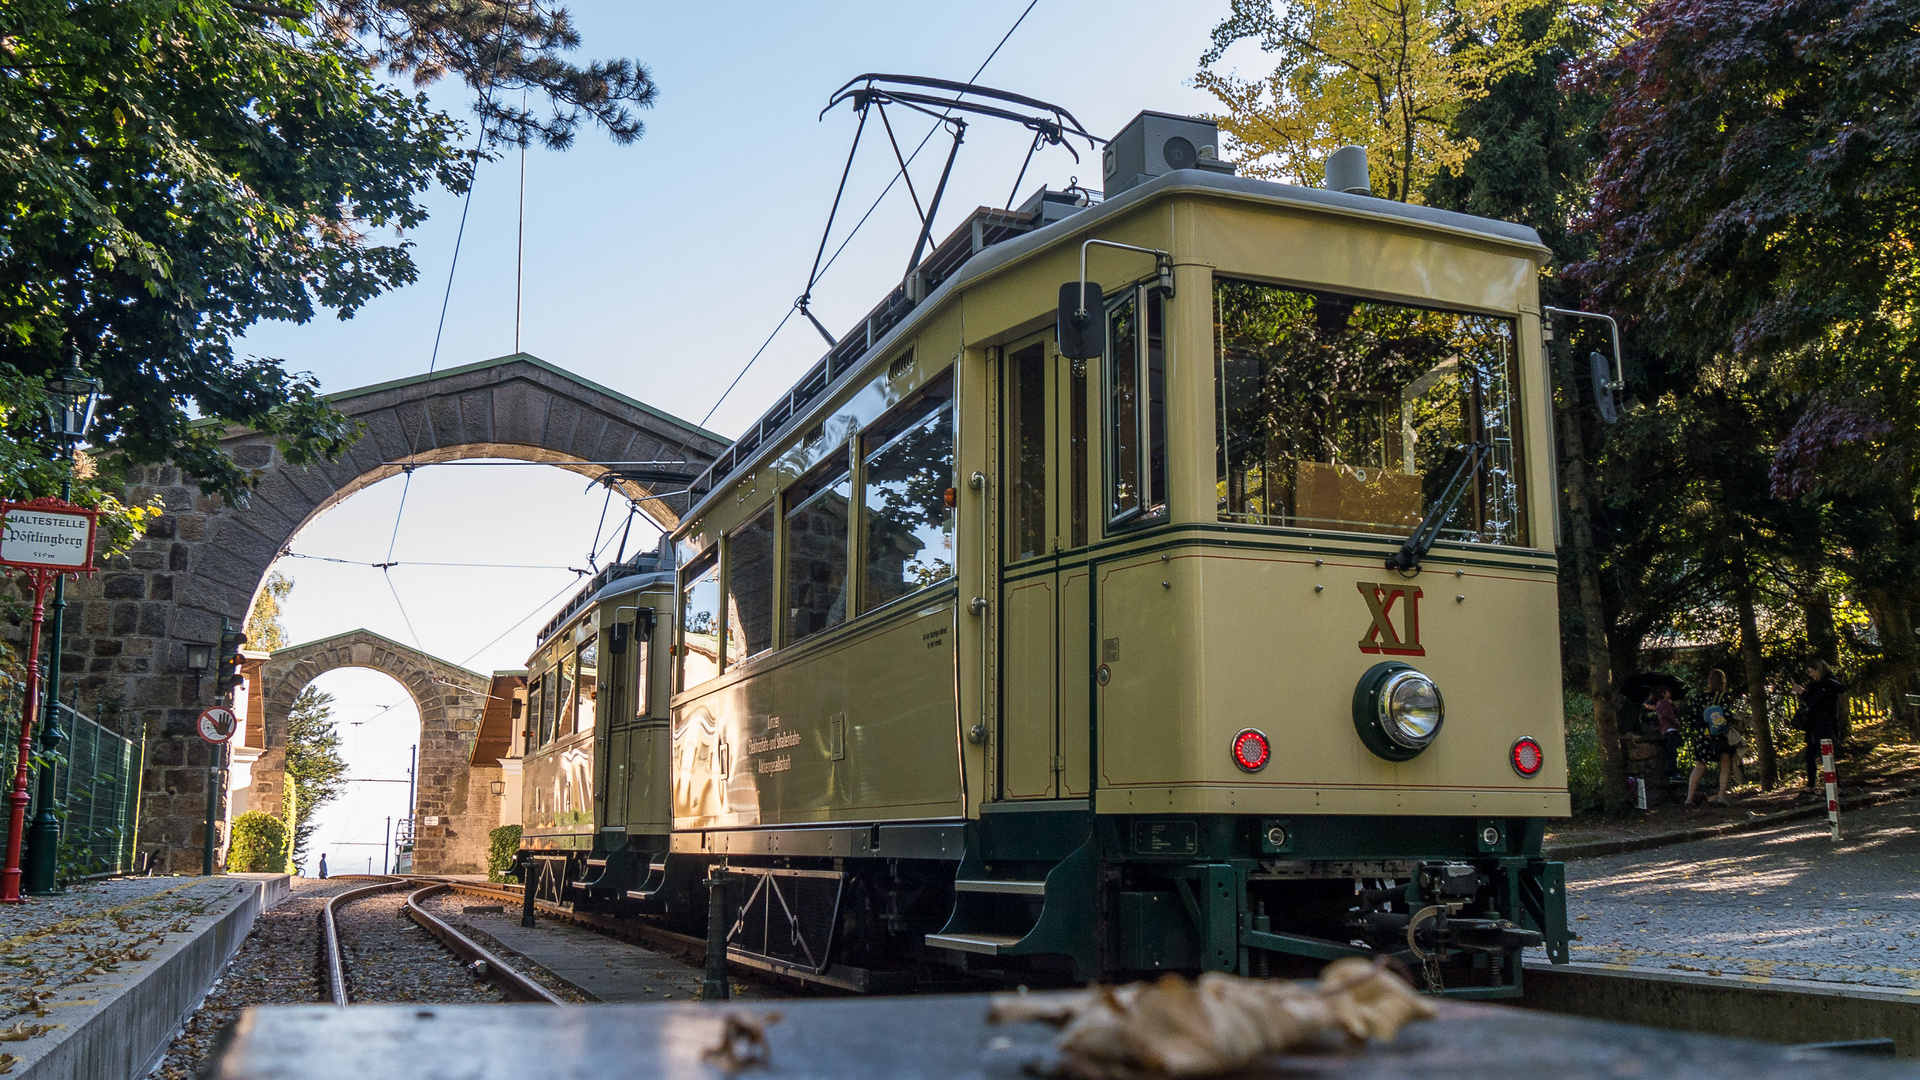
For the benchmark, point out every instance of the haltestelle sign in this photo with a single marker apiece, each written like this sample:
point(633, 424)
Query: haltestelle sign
point(46, 533)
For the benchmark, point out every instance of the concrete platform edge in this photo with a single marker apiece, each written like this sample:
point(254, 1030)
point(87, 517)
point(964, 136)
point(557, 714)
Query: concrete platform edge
point(1595, 849)
point(1774, 1011)
point(126, 1034)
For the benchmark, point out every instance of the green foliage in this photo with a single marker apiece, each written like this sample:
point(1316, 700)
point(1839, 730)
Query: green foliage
point(315, 770)
point(174, 171)
point(258, 844)
point(265, 632)
point(1584, 786)
point(502, 843)
point(1389, 75)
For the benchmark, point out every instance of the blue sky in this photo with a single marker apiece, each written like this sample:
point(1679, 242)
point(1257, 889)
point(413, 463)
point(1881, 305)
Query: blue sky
point(657, 269)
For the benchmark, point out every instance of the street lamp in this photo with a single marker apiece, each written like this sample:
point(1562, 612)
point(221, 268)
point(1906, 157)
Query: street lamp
point(199, 659)
point(497, 787)
point(71, 398)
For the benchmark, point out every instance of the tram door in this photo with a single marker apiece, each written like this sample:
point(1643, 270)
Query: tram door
point(1044, 632)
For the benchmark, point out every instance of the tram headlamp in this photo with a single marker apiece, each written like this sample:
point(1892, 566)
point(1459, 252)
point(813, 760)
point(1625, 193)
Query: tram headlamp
point(1397, 710)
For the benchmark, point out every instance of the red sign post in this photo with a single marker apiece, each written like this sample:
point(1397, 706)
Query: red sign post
point(44, 539)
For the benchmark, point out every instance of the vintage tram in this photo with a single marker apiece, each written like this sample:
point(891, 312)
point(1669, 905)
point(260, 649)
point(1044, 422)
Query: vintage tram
point(1223, 638)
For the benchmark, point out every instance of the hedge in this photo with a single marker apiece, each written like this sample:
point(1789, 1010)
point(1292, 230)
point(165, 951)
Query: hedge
point(259, 844)
point(502, 844)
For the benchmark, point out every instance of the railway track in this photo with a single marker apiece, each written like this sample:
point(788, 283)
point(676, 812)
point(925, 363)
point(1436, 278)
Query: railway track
point(684, 947)
point(477, 959)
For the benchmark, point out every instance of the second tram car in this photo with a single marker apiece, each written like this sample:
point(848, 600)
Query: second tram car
point(1232, 646)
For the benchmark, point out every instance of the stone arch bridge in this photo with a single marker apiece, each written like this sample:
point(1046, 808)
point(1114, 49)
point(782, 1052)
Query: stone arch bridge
point(449, 699)
point(204, 559)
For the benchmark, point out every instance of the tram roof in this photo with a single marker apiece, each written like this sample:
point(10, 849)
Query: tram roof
point(896, 318)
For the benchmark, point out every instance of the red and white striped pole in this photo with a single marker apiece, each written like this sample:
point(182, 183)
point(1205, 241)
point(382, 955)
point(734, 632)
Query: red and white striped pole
point(1833, 785)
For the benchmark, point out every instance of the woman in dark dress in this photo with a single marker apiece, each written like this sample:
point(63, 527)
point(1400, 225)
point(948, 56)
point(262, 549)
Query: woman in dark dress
point(1820, 711)
point(1707, 737)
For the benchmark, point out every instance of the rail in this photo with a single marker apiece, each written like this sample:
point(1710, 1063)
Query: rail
point(488, 966)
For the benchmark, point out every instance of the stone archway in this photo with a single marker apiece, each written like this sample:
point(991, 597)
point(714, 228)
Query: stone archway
point(450, 700)
point(204, 560)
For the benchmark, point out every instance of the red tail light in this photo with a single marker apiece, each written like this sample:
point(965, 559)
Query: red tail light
point(1526, 756)
point(1250, 750)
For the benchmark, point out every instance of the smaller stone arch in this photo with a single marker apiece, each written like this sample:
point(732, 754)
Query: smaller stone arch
point(449, 698)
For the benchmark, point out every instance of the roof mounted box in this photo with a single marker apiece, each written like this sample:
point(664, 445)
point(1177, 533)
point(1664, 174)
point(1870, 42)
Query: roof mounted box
point(1154, 144)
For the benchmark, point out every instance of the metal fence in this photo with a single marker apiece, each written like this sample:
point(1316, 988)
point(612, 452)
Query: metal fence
point(96, 786)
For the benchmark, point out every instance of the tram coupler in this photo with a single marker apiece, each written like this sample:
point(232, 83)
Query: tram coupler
point(716, 987)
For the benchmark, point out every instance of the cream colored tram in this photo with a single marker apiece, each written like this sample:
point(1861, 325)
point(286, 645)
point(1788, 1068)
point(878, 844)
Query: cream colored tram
point(993, 658)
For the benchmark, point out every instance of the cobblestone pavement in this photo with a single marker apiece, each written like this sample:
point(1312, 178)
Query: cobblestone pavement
point(1786, 902)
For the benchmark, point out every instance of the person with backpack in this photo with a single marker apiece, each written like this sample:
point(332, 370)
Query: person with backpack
point(1713, 737)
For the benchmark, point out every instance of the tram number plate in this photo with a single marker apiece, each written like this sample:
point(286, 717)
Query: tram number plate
point(1166, 837)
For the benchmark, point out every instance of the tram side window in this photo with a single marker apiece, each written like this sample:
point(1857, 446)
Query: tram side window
point(1136, 408)
point(750, 590)
point(586, 684)
point(1353, 415)
point(547, 707)
point(563, 694)
point(1026, 375)
point(908, 496)
point(536, 723)
point(700, 620)
point(640, 656)
point(818, 512)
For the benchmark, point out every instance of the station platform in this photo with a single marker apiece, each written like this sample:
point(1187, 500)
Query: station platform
point(934, 1036)
point(1735, 1005)
point(97, 979)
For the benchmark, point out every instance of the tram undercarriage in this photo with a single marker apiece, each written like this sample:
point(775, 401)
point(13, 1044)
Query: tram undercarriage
point(1025, 902)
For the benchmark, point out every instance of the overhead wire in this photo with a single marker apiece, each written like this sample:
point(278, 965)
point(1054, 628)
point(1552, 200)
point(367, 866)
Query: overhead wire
point(814, 278)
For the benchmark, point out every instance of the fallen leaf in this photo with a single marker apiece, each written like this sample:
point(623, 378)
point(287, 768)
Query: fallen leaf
point(1216, 1024)
point(743, 1041)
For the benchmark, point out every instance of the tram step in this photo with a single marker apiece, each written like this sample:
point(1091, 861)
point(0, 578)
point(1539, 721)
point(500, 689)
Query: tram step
point(996, 885)
point(987, 944)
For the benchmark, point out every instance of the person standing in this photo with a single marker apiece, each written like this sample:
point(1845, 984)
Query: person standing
point(323, 866)
point(1819, 717)
point(1668, 721)
point(1709, 735)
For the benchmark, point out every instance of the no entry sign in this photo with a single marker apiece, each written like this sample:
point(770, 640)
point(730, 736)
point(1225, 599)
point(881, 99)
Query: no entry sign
point(46, 534)
point(217, 725)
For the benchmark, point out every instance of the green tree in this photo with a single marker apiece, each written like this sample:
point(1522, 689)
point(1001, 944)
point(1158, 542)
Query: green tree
point(314, 766)
point(174, 171)
point(265, 632)
point(1389, 75)
point(1757, 208)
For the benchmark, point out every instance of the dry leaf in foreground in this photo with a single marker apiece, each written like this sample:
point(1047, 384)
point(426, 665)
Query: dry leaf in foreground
point(743, 1041)
point(1174, 1028)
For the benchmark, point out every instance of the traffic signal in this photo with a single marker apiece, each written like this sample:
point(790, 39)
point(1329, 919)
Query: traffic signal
point(227, 663)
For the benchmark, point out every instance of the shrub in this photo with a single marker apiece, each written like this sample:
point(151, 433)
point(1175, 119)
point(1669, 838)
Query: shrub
point(1583, 755)
point(259, 844)
point(503, 844)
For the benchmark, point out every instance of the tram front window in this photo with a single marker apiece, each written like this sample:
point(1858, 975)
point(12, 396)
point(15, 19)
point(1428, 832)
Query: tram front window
point(1352, 415)
point(1136, 408)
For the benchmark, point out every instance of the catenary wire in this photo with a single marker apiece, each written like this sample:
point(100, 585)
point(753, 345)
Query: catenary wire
point(856, 228)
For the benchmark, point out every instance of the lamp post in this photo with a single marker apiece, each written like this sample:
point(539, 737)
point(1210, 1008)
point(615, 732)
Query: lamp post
point(72, 398)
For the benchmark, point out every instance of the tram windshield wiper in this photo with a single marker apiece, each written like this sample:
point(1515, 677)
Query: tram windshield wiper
point(1416, 546)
